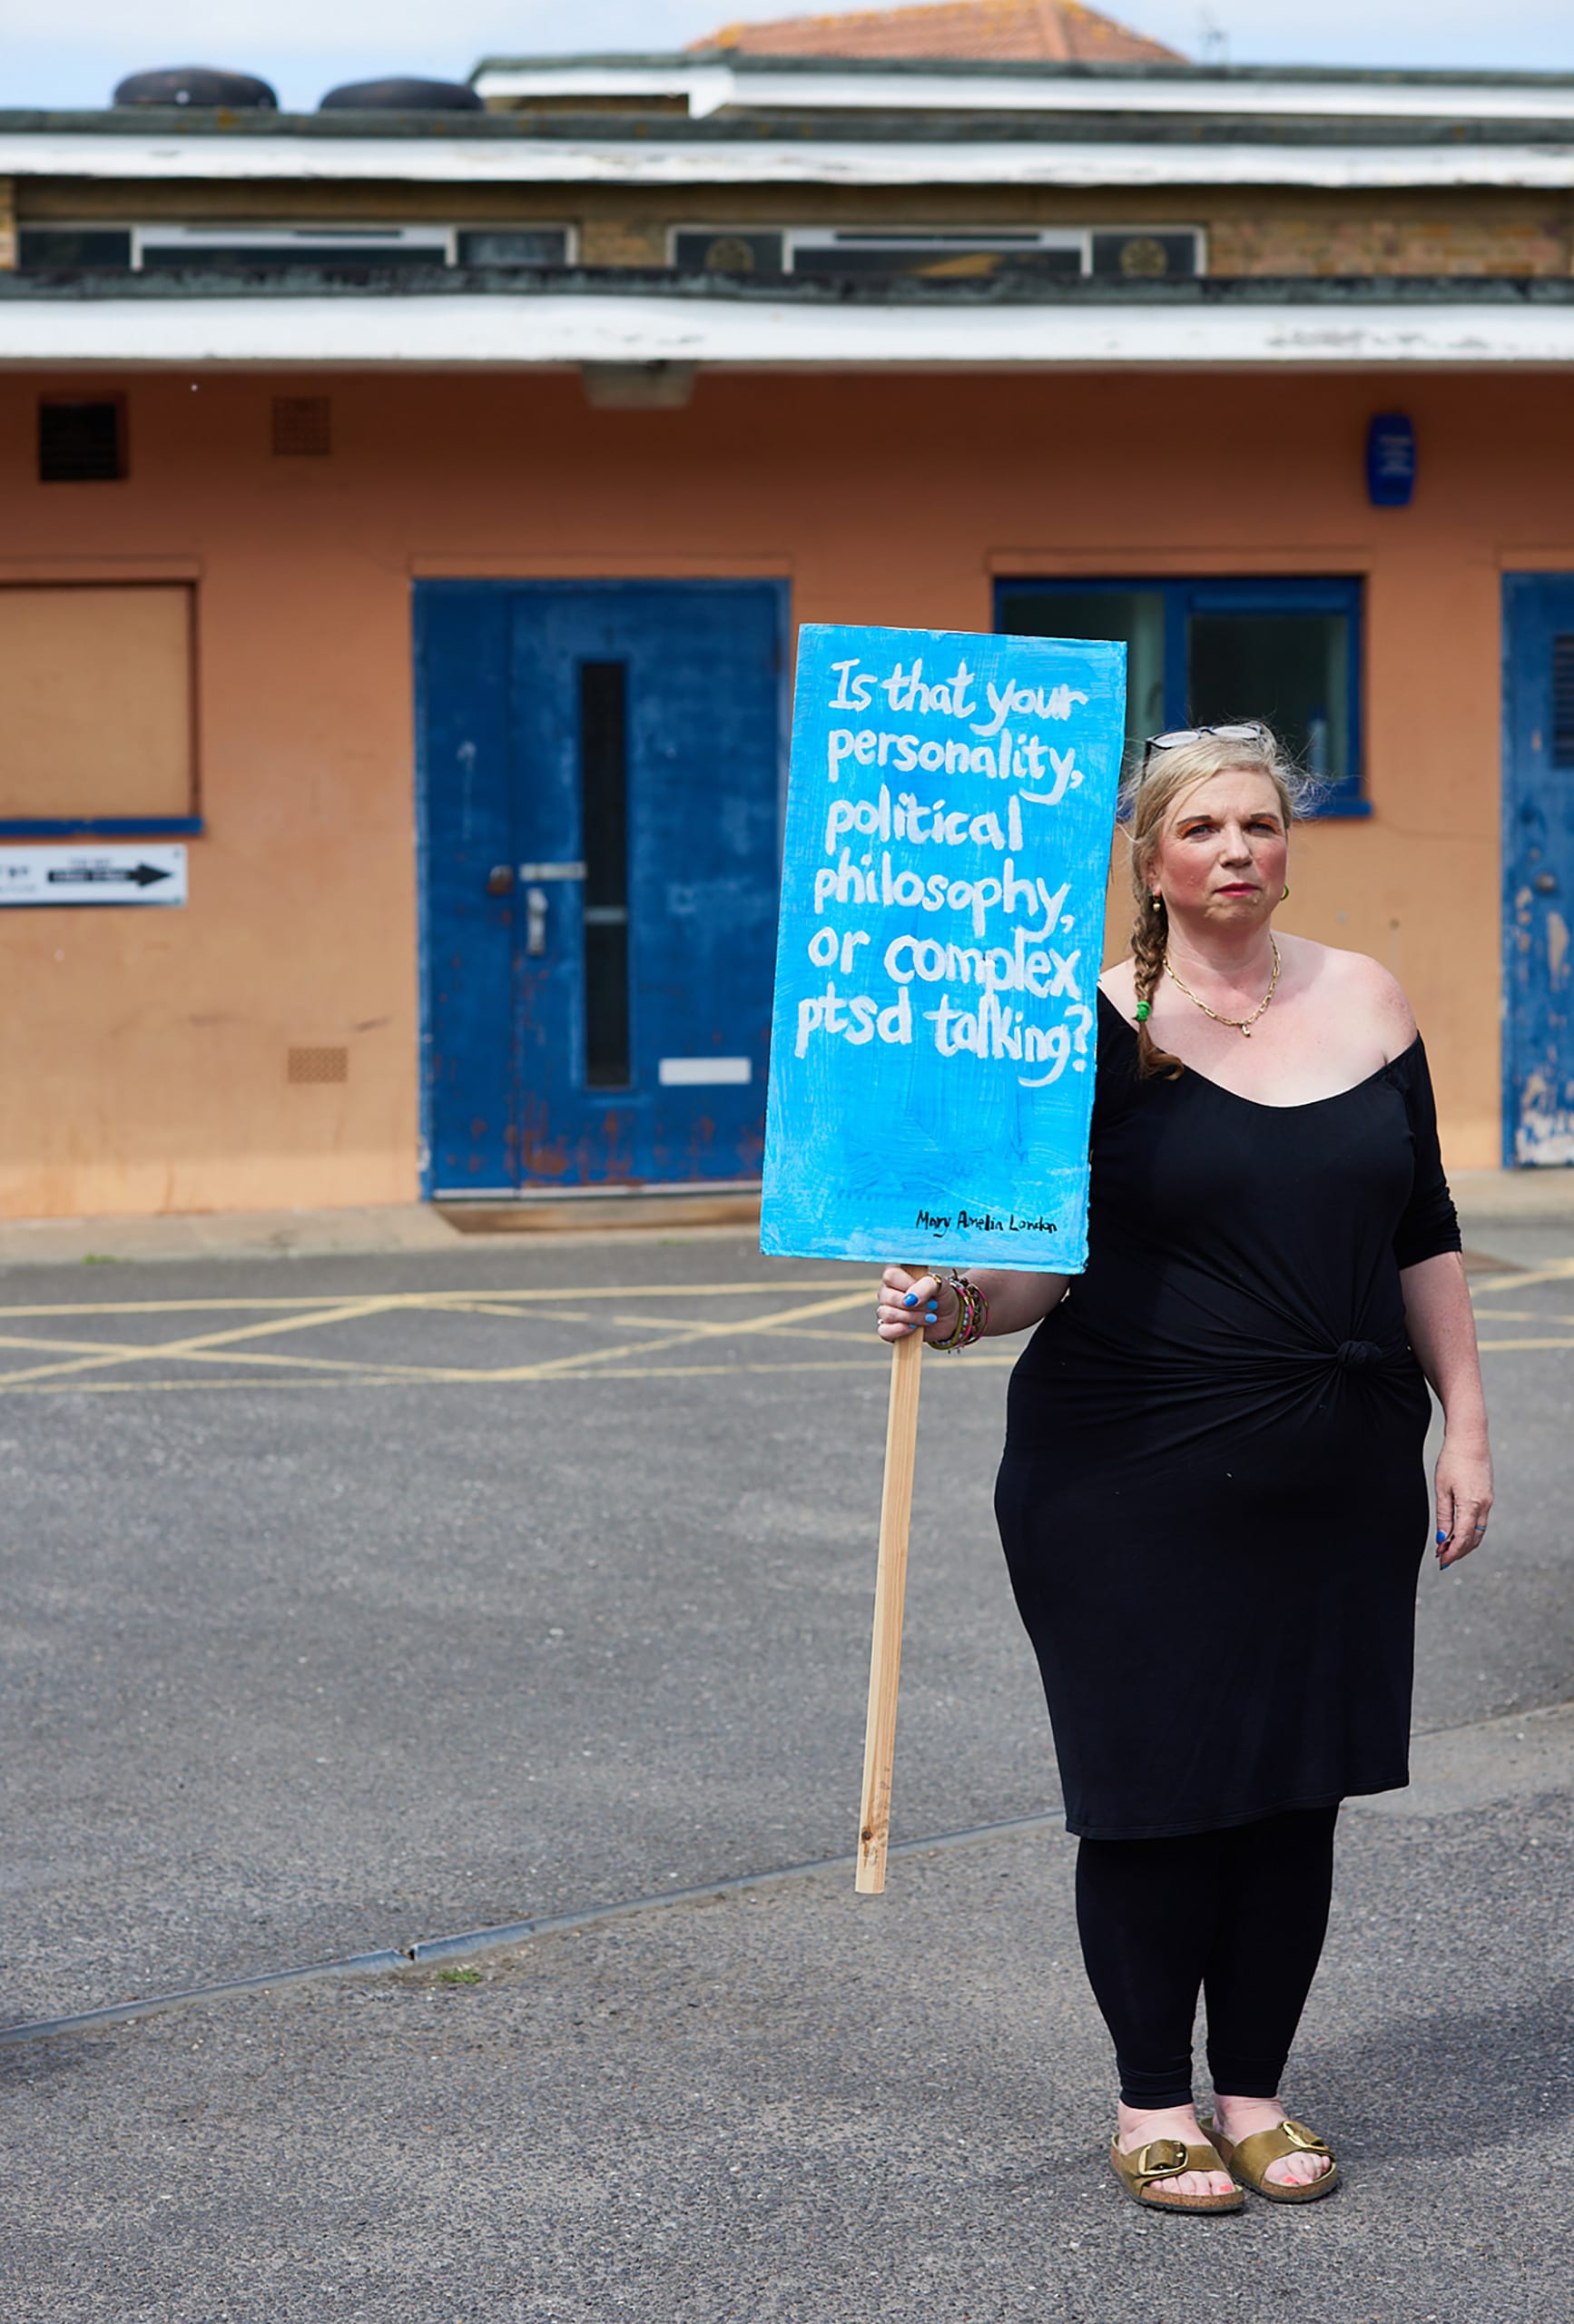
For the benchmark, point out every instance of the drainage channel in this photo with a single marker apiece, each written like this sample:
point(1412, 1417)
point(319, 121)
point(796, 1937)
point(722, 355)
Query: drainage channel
point(427, 1952)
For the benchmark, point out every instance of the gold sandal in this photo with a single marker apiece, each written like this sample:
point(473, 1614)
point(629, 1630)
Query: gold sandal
point(1248, 2159)
point(1167, 2159)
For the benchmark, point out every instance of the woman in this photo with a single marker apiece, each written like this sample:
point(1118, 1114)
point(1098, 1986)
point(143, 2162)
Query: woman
point(1213, 1499)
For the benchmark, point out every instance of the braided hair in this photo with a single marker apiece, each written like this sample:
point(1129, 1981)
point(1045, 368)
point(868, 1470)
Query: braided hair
point(1148, 799)
point(1149, 943)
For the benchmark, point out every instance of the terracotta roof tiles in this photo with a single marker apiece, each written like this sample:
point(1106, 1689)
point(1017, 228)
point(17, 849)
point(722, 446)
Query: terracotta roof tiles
point(1053, 32)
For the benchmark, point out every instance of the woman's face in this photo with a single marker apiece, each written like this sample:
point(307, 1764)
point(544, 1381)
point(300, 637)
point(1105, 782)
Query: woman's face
point(1222, 849)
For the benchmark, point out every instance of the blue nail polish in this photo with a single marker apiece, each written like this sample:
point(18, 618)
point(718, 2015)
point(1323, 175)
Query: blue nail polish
point(911, 1299)
point(932, 1315)
point(1441, 1537)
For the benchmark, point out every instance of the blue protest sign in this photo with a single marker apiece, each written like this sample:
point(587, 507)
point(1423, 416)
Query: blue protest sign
point(950, 809)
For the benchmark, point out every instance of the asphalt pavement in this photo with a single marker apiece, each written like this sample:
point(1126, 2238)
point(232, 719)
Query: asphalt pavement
point(351, 1602)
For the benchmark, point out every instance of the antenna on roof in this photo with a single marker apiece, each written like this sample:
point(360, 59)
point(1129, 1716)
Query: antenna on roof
point(1212, 39)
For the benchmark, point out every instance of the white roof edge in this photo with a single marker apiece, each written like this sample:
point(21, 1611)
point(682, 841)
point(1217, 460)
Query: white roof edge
point(156, 158)
point(465, 333)
point(710, 87)
point(707, 87)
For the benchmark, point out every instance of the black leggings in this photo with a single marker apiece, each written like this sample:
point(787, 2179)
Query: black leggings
point(1240, 1913)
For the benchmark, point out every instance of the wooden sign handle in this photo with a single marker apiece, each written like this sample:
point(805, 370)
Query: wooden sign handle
point(890, 1592)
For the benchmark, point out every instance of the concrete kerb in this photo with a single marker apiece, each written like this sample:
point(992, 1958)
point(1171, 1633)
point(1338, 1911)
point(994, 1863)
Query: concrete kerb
point(432, 1952)
point(373, 1232)
point(1513, 1198)
point(1486, 1198)
point(1521, 1753)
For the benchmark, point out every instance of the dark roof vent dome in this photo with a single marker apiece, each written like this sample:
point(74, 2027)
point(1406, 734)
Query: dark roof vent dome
point(195, 84)
point(400, 95)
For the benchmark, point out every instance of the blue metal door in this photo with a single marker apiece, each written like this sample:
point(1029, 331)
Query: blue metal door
point(1539, 866)
point(600, 779)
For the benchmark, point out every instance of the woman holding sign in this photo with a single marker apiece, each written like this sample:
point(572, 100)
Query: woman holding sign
point(1213, 1499)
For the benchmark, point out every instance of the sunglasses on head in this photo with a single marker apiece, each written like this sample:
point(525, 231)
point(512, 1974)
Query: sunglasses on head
point(1252, 731)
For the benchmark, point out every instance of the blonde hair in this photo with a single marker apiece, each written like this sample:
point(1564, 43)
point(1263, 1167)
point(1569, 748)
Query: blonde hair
point(1149, 797)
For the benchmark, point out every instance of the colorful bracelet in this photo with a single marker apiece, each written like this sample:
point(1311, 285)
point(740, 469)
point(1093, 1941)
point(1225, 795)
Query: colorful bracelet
point(972, 1317)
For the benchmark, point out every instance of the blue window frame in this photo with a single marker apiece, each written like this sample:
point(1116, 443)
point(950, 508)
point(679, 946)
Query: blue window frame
point(1212, 652)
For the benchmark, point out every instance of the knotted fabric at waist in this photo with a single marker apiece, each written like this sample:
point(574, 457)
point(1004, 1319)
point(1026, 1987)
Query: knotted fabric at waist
point(1268, 1358)
point(1239, 1358)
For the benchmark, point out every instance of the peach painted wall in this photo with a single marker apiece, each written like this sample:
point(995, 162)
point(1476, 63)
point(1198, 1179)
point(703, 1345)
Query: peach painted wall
point(142, 1053)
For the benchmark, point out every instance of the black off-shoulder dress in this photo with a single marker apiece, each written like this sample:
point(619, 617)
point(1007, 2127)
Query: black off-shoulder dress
point(1213, 1499)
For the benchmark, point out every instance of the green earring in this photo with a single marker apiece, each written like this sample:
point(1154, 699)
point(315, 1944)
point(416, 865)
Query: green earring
point(1285, 897)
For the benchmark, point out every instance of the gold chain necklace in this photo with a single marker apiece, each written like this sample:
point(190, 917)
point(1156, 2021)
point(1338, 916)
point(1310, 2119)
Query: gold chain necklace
point(1242, 1025)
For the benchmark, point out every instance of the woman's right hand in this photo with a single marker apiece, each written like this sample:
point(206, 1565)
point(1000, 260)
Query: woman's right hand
point(910, 1302)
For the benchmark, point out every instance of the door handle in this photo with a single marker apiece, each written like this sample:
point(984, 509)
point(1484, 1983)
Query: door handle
point(535, 921)
point(552, 870)
point(1545, 883)
point(500, 879)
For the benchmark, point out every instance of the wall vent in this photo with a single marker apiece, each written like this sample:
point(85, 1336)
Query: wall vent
point(316, 1065)
point(1563, 701)
point(303, 427)
point(80, 443)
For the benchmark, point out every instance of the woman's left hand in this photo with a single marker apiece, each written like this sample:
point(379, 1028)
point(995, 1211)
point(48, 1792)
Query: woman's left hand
point(1464, 1498)
point(910, 1302)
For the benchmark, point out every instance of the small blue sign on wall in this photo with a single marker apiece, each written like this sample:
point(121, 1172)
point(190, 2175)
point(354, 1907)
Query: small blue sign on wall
point(950, 812)
point(1390, 461)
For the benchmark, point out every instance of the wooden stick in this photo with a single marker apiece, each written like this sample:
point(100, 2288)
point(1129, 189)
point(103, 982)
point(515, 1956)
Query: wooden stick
point(890, 1592)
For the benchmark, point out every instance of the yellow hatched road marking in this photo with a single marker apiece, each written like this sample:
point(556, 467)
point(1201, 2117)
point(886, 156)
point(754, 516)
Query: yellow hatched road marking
point(74, 1360)
point(372, 1378)
point(562, 1365)
point(218, 1347)
point(336, 1314)
point(1552, 1271)
point(373, 1375)
point(35, 1344)
point(1489, 1347)
point(457, 1298)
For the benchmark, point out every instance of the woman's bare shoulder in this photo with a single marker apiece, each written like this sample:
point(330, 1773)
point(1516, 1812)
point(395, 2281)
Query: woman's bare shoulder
point(1118, 983)
point(1357, 984)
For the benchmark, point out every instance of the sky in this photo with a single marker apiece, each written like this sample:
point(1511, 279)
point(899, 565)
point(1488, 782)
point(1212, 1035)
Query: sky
point(70, 53)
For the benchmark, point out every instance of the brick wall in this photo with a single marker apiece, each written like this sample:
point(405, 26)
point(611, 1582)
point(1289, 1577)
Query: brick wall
point(622, 242)
point(1332, 240)
point(1267, 231)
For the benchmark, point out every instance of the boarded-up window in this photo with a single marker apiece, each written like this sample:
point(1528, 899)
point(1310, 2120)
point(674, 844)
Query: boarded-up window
point(96, 702)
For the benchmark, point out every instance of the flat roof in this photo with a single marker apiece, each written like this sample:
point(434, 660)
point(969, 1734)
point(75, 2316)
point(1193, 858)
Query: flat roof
point(726, 95)
point(714, 80)
point(711, 153)
point(751, 60)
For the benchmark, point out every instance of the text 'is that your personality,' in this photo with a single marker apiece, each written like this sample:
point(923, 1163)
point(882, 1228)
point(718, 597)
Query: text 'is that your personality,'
point(878, 844)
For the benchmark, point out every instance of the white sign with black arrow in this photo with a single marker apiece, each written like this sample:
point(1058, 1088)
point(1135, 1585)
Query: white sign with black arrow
point(134, 874)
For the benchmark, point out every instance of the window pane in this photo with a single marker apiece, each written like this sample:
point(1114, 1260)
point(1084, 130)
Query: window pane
point(942, 260)
point(1131, 617)
point(532, 246)
point(703, 250)
point(1291, 669)
point(72, 246)
point(327, 256)
point(1144, 254)
point(604, 809)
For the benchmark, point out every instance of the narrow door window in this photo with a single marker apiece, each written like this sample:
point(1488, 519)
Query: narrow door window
point(1563, 702)
point(603, 812)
